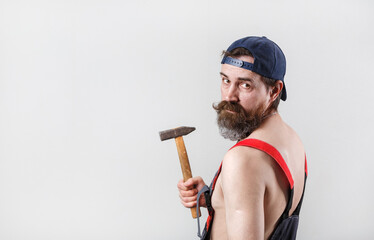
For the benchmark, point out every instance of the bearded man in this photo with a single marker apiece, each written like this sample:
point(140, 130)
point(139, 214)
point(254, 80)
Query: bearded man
point(258, 189)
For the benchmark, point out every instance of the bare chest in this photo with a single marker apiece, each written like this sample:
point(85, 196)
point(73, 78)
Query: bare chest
point(217, 196)
point(218, 204)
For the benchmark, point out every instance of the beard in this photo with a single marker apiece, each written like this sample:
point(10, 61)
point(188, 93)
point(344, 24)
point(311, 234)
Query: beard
point(235, 123)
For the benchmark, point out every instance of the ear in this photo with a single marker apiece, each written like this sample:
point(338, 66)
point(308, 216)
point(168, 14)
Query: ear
point(276, 90)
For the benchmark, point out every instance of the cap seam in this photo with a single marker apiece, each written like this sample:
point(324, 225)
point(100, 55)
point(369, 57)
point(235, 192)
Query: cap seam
point(275, 62)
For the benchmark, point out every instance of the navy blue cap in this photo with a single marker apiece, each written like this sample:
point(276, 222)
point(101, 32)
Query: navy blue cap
point(269, 60)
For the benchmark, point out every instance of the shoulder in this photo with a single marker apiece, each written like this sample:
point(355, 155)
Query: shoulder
point(242, 156)
point(246, 165)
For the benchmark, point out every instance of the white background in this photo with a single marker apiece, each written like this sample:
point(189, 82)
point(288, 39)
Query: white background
point(85, 87)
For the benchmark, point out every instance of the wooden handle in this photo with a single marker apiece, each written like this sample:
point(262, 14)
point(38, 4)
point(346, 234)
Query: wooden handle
point(185, 165)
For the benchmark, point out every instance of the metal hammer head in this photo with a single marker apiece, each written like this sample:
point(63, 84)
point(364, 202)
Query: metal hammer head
point(175, 132)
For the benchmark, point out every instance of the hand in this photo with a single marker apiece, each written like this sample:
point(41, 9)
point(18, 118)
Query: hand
point(188, 192)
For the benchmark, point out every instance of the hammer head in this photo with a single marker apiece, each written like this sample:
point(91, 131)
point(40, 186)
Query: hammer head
point(175, 132)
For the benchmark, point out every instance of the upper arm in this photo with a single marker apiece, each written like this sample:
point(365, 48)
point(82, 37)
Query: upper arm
point(243, 186)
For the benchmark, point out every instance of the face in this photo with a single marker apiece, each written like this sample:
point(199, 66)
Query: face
point(243, 86)
point(244, 101)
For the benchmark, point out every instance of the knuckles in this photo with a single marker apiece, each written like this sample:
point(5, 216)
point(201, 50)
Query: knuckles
point(188, 191)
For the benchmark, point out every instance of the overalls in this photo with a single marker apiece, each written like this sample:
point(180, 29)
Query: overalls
point(286, 228)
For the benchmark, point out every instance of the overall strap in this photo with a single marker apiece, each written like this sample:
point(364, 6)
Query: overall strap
point(207, 191)
point(297, 210)
point(275, 154)
point(270, 150)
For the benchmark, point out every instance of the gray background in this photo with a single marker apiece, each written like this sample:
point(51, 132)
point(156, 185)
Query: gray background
point(85, 86)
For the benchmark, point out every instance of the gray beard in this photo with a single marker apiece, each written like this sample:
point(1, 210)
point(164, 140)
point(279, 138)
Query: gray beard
point(241, 131)
point(235, 123)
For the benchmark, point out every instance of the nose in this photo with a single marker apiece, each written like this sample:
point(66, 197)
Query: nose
point(231, 94)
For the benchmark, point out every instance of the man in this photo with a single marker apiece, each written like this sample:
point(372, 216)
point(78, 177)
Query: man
point(258, 190)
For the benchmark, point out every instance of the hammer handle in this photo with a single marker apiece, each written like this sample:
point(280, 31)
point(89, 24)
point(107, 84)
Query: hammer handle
point(185, 165)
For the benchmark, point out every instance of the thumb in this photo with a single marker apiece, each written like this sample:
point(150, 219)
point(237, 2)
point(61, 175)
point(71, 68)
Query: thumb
point(190, 182)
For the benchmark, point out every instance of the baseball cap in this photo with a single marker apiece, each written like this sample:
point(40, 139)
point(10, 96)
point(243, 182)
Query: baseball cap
point(269, 60)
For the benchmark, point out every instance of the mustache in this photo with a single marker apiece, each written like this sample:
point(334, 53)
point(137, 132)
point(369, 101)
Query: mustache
point(229, 106)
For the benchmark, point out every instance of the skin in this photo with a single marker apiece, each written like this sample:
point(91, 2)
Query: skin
point(251, 191)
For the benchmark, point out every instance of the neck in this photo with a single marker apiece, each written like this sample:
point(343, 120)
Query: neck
point(272, 113)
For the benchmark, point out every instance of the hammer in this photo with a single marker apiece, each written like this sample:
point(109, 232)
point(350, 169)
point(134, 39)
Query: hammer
point(177, 134)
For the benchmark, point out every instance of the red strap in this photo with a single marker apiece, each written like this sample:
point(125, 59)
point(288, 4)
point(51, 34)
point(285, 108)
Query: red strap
point(272, 151)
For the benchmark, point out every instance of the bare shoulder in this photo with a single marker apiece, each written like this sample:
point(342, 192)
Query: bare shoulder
point(246, 165)
point(243, 156)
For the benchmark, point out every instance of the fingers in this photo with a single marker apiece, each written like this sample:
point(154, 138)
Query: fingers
point(193, 181)
point(189, 183)
point(181, 185)
point(189, 204)
point(196, 182)
point(188, 200)
point(187, 193)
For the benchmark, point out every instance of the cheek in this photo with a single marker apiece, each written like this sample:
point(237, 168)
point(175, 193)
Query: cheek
point(223, 94)
point(249, 102)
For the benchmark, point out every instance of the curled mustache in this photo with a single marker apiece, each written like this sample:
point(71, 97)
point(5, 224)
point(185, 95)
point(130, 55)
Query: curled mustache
point(230, 106)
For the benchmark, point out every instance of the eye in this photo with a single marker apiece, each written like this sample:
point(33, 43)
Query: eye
point(225, 81)
point(245, 85)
